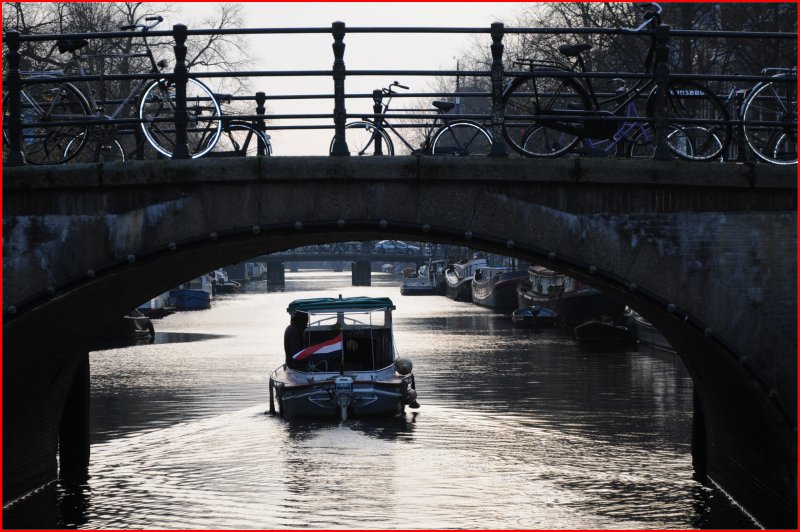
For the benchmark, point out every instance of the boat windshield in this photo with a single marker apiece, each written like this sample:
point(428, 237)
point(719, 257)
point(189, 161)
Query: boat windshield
point(366, 340)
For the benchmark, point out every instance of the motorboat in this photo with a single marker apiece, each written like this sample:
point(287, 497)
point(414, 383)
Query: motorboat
point(603, 333)
point(348, 366)
point(458, 278)
point(428, 280)
point(496, 287)
point(534, 316)
point(574, 302)
point(157, 307)
point(222, 284)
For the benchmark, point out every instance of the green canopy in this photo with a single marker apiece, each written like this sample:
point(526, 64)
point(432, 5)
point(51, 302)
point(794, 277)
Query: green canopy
point(333, 304)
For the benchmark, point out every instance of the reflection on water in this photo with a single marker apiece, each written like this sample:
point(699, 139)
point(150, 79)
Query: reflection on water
point(518, 429)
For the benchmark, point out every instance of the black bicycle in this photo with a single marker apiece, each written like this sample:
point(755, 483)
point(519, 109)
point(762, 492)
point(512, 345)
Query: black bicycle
point(239, 138)
point(548, 111)
point(444, 136)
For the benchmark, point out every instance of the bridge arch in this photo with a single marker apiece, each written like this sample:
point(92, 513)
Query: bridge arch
point(113, 243)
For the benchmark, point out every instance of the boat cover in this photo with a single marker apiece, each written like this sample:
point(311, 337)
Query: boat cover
point(333, 304)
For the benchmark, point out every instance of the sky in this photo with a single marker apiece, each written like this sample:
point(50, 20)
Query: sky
point(367, 52)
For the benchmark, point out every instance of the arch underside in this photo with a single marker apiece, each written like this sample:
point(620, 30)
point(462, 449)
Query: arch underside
point(721, 286)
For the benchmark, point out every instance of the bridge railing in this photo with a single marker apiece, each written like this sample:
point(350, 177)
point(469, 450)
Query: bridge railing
point(496, 71)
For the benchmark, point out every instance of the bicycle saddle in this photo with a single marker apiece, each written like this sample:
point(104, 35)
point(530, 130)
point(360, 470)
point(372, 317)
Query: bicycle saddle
point(443, 106)
point(574, 50)
point(70, 45)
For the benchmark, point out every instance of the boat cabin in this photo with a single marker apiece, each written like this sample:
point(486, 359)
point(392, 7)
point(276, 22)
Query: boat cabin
point(365, 325)
point(547, 282)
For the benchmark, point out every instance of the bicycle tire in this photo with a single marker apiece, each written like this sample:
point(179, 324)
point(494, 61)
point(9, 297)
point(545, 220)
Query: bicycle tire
point(240, 139)
point(360, 138)
point(205, 124)
point(645, 148)
point(522, 110)
point(772, 101)
point(43, 102)
point(706, 140)
point(461, 138)
point(91, 151)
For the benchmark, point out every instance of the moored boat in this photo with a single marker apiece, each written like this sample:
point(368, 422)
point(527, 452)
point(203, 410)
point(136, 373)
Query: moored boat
point(534, 316)
point(132, 328)
point(496, 287)
point(194, 295)
point(458, 278)
point(428, 280)
point(573, 301)
point(603, 333)
point(646, 333)
point(348, 365)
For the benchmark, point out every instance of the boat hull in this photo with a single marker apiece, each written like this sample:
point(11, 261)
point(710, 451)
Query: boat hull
point(603, 334)
point(318, 399)
point(189, 299)
point(647, 334)
point(500, 292)
point(573, 307)
point(460, 290)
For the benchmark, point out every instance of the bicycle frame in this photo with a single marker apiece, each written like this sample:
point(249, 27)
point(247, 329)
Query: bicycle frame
point(625, 131)
point(380, 123)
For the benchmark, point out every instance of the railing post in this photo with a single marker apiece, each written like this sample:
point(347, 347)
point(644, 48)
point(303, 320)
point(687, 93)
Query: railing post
point(15, 157)
point(377, 106)
point(661, 72)
point(498, 142)
point(181, 150)
point(339, 147)
point(261, 100)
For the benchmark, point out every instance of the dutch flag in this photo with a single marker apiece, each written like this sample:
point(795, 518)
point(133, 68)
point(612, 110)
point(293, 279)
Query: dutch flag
point(328, 349)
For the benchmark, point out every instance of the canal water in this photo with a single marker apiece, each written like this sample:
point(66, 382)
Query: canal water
point(517, 429)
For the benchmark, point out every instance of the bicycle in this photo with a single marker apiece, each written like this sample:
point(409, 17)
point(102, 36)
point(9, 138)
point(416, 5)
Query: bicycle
point(59, 102)
point(548, 111)
point(769, 115)
point(457, 136)
point(239, 138)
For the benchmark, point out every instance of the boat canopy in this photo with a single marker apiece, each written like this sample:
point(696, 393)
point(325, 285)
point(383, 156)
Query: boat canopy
point(332, 304)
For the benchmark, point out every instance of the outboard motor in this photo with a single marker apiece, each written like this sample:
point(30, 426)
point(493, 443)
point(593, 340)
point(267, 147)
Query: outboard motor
point(343, 390)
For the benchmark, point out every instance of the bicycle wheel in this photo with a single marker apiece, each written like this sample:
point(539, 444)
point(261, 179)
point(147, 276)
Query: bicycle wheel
point(94, 150)
point(203, 130)
point(774, 101)
point(530, 97)
point(643, 143)
point(703, 139)
point(461, 137)
point(240, 139)
point(361, 137)
point(50, 102)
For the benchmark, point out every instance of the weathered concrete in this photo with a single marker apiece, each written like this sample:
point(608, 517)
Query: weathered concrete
point(707, 252)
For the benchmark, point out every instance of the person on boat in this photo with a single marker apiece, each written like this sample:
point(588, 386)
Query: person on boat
point(293, 335)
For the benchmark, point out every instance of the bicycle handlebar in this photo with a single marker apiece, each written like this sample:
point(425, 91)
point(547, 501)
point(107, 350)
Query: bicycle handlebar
point(653, 13)
point(155, 22)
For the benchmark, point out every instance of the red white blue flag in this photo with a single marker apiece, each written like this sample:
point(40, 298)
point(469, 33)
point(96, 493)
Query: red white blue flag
point(328, 349)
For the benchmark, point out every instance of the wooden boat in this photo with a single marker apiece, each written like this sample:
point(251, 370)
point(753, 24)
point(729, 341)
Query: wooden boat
point(573, 301)
point(349, 365)
point(496, 287)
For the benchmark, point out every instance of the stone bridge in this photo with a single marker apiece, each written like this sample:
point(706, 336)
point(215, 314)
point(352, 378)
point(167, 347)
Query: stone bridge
point(706, 252)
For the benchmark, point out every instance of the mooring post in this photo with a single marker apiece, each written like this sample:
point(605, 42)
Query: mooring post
point(498, 142)
point(339, 147)
point(14, 119)
point(261, 100)
point(73, 437)
point(181, 78)
point(661, 72)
